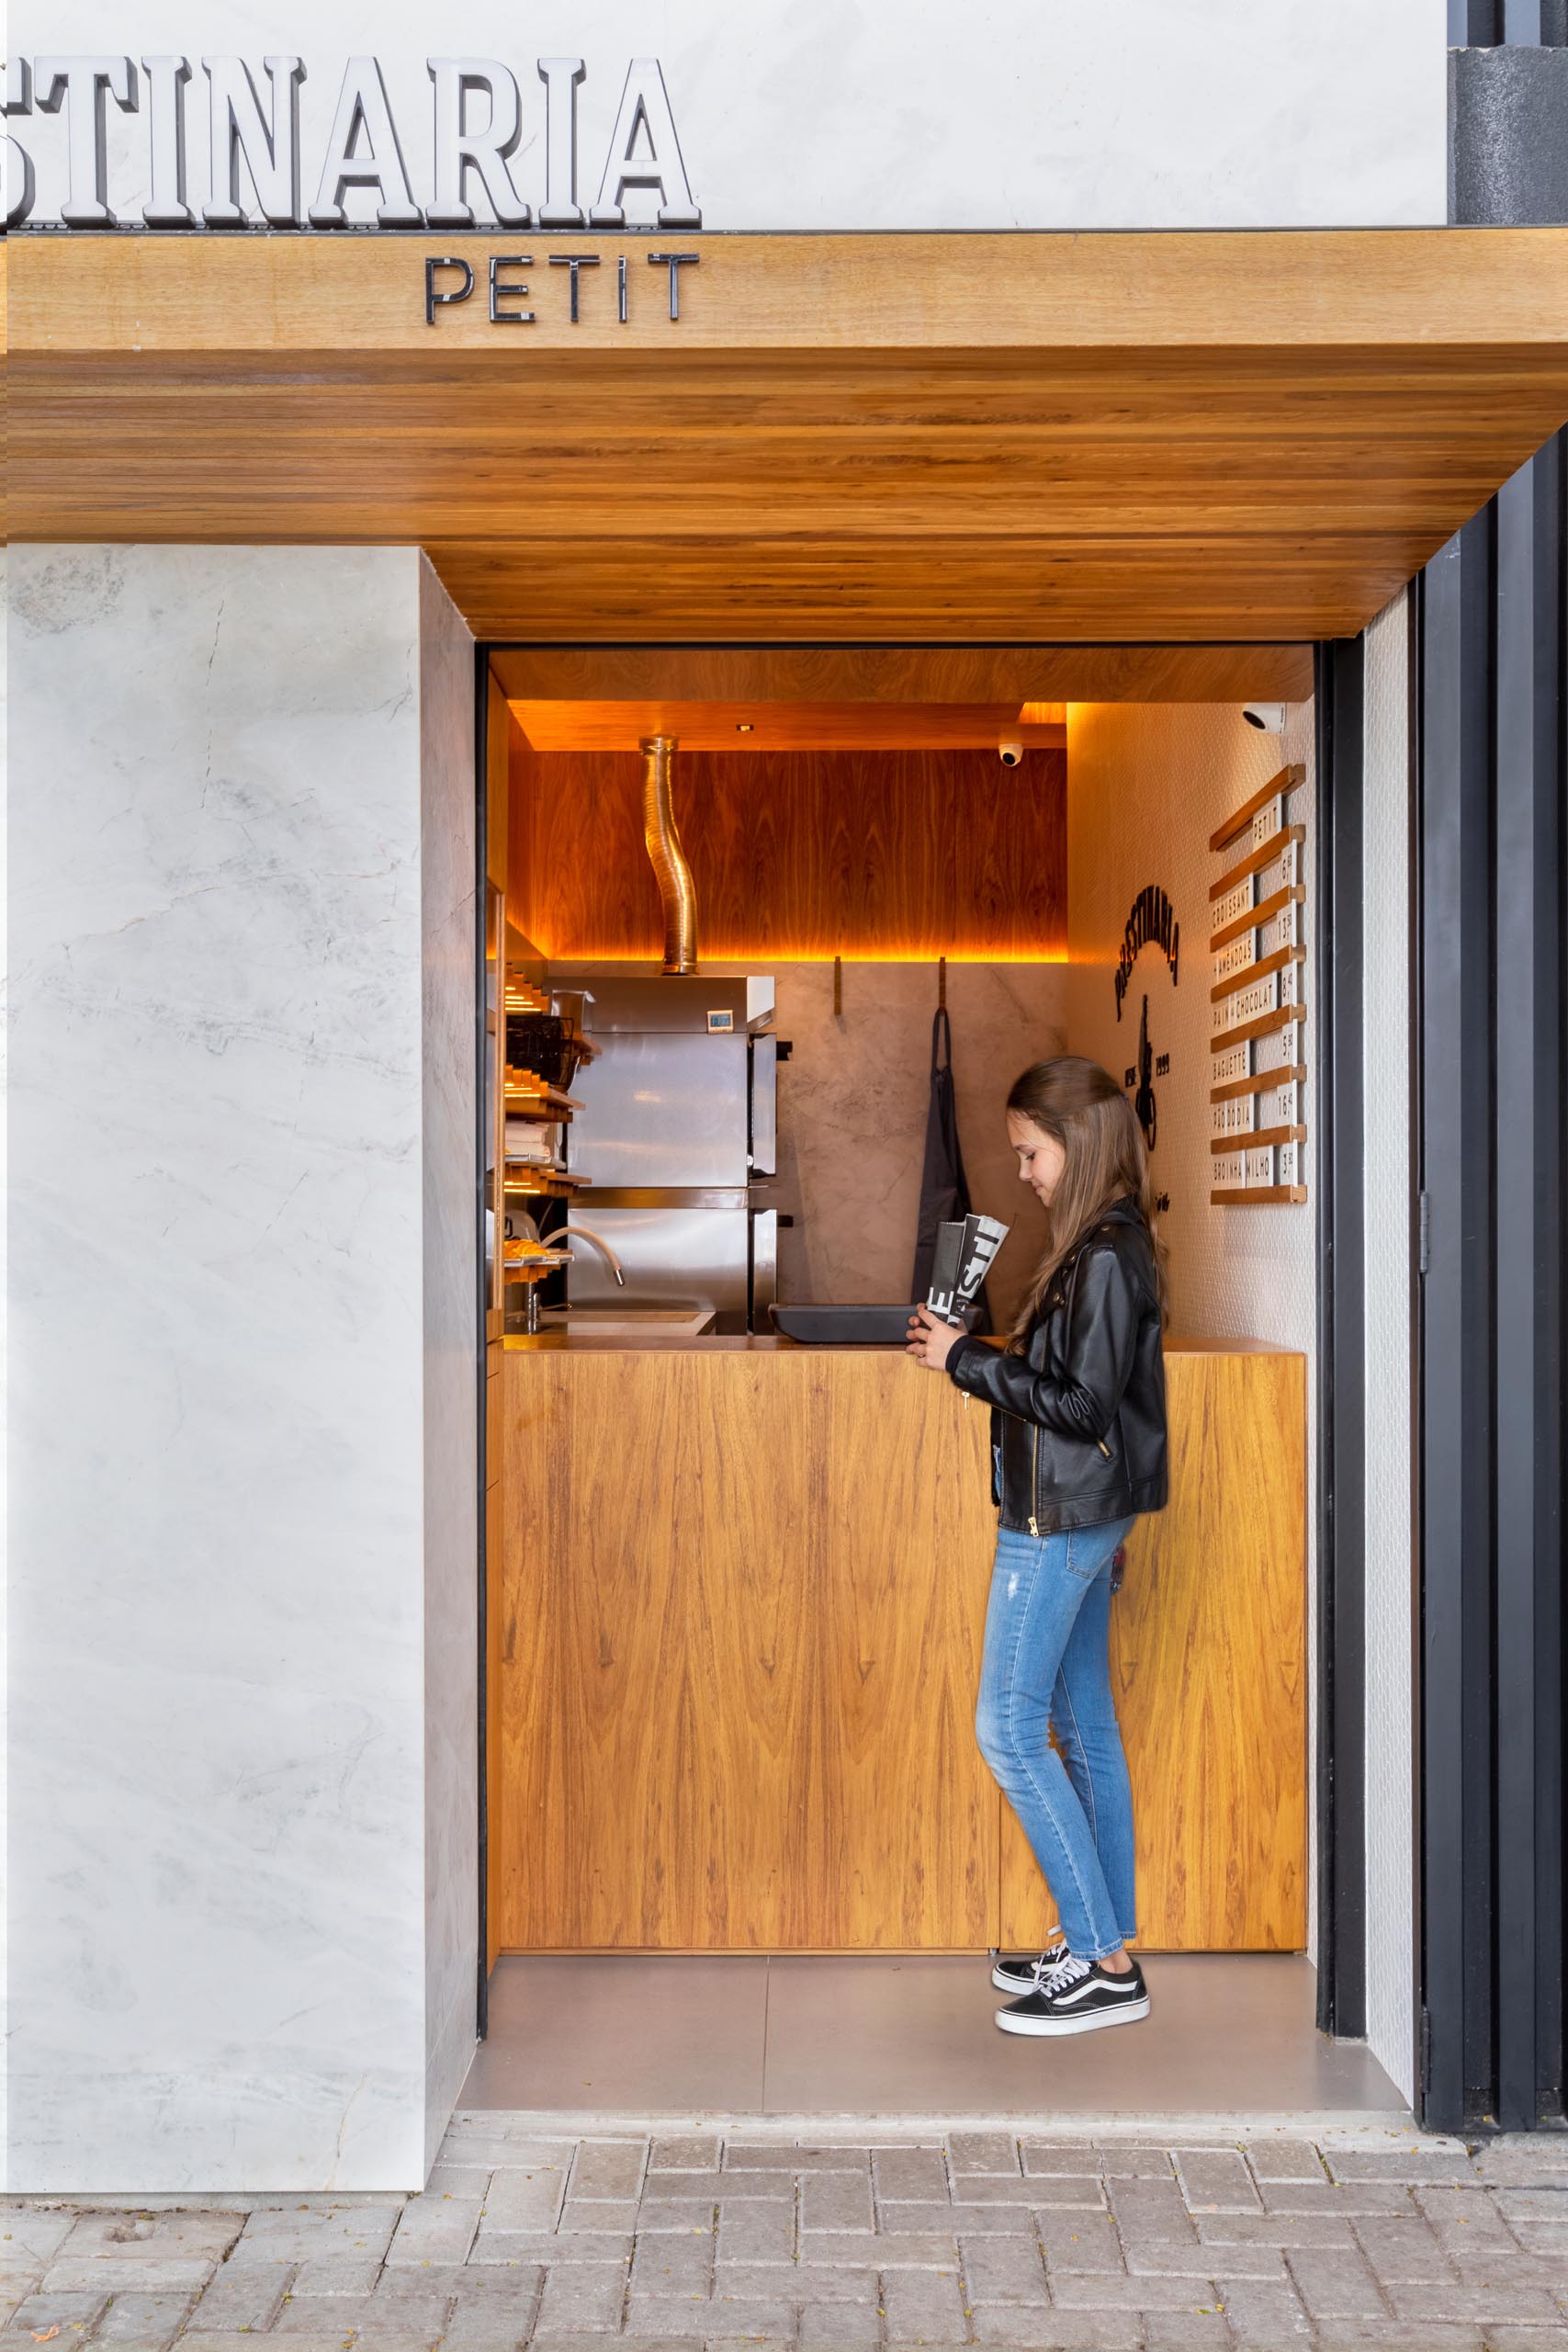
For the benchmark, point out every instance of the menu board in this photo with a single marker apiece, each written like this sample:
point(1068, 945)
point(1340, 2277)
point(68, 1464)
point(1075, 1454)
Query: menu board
point(1257, 1001)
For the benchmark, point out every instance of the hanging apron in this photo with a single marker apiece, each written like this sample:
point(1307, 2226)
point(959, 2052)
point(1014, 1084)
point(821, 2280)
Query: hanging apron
point(944, 1188)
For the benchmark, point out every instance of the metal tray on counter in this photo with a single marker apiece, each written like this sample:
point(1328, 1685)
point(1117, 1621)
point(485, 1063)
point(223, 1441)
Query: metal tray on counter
point(845, 1327)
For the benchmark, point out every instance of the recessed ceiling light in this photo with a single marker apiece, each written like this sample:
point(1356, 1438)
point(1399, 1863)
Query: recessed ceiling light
point(743, 727)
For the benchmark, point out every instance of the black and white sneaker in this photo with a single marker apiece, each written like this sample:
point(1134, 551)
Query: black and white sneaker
point(1078, 1997)
point(1022, 1972)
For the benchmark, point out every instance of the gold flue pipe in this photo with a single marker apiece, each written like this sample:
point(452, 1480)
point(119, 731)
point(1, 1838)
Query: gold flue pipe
point(663, 839)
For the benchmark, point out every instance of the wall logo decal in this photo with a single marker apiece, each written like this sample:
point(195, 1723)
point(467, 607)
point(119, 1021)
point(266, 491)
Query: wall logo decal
point(1152, 918)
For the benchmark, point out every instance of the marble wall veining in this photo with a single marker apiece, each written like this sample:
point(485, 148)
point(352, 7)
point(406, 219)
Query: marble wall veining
point(228, 1144)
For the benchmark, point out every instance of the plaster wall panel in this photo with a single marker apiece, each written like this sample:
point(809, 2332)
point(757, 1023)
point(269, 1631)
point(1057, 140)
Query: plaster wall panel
point(220, 1316)
point(1146, 785)
point(893, 114)
point(1389, 1566)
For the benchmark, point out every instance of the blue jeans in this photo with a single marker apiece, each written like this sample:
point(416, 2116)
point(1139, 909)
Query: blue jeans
point(1047, 1667)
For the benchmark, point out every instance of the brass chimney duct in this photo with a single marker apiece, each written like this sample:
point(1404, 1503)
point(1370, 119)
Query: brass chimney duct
point(663, 839)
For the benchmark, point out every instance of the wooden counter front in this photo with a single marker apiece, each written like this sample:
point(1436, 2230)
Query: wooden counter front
point(739, 1611)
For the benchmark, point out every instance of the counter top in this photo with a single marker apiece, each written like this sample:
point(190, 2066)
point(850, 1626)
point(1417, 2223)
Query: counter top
point(774, 1343)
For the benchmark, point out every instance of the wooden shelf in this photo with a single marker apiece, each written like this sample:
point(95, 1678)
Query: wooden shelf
point(1260, 1082)
point(1264, 1026)
point(1259, 971)
point(1256, 861)
point(539, 1102)
point(545, 1184)
point(1260, 1197)
point(1255, 915)
point(1256, 1137)
point(1285, 781)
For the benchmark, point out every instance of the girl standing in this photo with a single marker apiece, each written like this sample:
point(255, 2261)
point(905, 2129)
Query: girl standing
point(1077, 1452)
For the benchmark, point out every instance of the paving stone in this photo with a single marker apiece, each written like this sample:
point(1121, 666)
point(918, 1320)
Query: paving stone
point(1149, 2210)
point(1263, 2316)
point(832, 2156)
point(243, 2296)
point(138, 2322)
point(1411, 2162)
point(199, 2238)
point(1049, 2158)
point(527, 2197)
point(824, 2327)
point(1332, 2197)
point(1086, 2291)
point(909, 2172)
point(496, 2322)
point(685, 2152)
point(1463, 2221)
point(718, 2321)
point(682, 2212)
point(1284, 2160)
point(982, 2152)
point(1164, 2257)
point(296, 2232)
point(752, 2233)
point(101, 2271)
point(440, 2229)
point(1522, 2159)
point(886, 2250)
point(1396, 2335)
point(1129, 2160)
point(1337, 2285)
point(1186, 2332)
point(948, 2219)
point(217, 2340)
point(750, 2343)
point(582, 2295)
point(590, 2216)
point(459, 2180)
point(835, 2200)
point(608, 2168)
point(572, 2340)
point(335, 2274)
point(763, 2282)
point(1326, 2230)
point(1004, 2325)
point(1004, 2270)
point(72, 2312)
point(926, 2304)
point(767, 2155)
point(1216, 2181)
point(666, 2264)
point(1468, 2301)
point(1041, 2189)
point(1080, 2242)
point(382, 2338)
point(1538, 2204)
point(1527, 2339)
point(504, 2249)
point(1398, 2249)
point(32, 2238)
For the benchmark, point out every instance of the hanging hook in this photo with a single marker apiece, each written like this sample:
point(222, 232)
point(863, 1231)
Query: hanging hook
point(837, 984)
point(941, 983)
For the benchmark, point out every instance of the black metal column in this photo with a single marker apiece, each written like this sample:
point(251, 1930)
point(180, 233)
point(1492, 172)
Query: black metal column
point(1341, 1352)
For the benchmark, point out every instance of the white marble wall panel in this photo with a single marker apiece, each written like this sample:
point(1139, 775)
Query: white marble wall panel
point(447, 707)
point(218, 1838)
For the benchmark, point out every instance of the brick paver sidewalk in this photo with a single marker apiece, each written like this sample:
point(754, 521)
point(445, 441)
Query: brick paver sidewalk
point(689, 2242)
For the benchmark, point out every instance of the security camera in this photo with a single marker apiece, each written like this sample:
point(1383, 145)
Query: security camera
point(1009, 754)
point(1268, 716)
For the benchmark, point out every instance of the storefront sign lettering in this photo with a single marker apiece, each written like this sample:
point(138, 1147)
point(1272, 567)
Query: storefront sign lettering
point(450, 280)
point(255, 171)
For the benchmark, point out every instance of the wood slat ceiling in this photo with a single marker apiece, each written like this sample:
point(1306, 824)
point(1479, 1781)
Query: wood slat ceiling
point(1093, 439)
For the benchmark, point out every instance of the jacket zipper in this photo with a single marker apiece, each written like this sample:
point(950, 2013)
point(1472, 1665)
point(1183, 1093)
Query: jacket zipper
point(1103, 1447)
point(1034, 1484)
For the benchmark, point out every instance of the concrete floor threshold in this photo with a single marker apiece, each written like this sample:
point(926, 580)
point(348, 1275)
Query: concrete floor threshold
point(610, 2035)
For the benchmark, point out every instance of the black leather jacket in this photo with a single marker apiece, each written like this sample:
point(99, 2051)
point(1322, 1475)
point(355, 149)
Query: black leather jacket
point(1078, 1420)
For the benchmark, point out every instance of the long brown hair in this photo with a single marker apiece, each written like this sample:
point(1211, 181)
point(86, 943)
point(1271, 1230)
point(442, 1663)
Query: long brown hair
point(1073, 1099)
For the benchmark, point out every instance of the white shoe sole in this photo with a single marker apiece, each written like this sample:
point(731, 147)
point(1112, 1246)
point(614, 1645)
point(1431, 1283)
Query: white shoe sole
point(1129, 2014)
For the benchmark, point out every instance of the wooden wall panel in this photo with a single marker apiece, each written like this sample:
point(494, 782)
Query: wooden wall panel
point(801, 855)
point(1209, 1665)
point(742, 1606)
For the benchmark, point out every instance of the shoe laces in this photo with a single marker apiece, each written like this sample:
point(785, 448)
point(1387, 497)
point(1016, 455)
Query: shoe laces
point(1050, 1970)
point(1067, 1968)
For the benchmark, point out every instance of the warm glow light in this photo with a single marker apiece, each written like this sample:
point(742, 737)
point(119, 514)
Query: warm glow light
point(776, 952)
point(1042, 714)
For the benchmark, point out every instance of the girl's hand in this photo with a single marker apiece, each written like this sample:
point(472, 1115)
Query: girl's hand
point(931, 1340)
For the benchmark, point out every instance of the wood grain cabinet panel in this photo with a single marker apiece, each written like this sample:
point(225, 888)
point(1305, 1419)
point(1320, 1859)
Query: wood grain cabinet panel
point(739, 1618)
